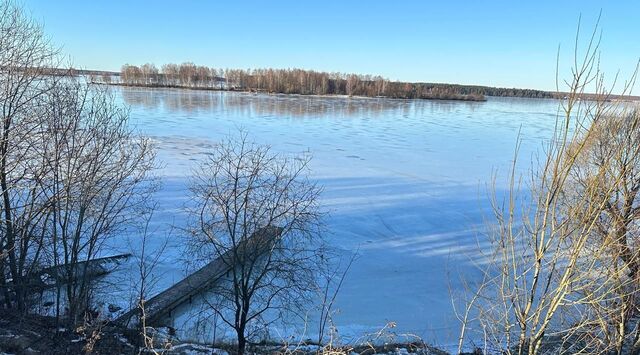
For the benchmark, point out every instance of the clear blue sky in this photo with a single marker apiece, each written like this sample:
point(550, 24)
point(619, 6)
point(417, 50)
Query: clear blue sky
point(497, 43)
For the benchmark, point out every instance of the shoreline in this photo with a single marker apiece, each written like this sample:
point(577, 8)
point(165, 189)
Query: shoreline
point(181, 87)
point(560, 96)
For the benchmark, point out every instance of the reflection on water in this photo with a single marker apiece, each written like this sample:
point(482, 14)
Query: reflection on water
point(427, 139)
point(175, 100)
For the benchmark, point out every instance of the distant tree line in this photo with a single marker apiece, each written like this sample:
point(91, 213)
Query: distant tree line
point(501, 92)
point(183, 75)
point(288, 81)
point(305, 82)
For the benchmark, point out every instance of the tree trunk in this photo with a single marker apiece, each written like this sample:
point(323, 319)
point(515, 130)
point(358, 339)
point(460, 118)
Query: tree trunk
point(242, 341)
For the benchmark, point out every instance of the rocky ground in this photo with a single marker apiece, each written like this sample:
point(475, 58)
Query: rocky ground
point(40, 335)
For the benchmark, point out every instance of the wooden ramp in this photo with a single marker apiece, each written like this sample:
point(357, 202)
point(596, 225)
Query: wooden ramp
point(161, 305)
point(61, 274)
point(55, 276)
point(90, 268)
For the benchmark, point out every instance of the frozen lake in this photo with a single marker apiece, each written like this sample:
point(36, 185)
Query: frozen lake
point(406, 184)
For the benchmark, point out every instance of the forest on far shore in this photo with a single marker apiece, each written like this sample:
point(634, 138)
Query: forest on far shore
point(299, 81)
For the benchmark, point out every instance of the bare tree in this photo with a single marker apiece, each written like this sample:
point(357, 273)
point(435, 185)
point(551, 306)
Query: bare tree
point(548, 282)
point(25, 55)
point(332, 281)
point(106, 78)
point(97, 184)
point(149, 74)
point(257, 212)
point(72, 171)
point(170, 73)
point(131, 75)
point(613, 301)
point(147, 259)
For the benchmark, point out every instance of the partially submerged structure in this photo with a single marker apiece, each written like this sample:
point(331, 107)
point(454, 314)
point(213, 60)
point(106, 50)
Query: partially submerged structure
point(44, 280)
point(187, 306)
point(177, 306)
point(90, 269)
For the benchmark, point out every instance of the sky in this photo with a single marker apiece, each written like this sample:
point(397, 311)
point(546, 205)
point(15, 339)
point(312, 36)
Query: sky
point(495, 43)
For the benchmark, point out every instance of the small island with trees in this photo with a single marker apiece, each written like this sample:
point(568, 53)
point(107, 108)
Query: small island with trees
point(297, 81)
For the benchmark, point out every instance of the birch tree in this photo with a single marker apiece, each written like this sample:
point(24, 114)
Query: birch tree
point(258, 212)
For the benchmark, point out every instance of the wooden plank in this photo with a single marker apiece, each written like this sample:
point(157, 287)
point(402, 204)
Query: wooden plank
point(203, 279)
point(58, 275)
point(90, 268)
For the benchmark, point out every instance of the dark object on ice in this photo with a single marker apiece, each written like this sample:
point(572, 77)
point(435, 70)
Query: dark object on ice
point(59, 275)
point(91, 269)
point(159, 308)
point(113, 308)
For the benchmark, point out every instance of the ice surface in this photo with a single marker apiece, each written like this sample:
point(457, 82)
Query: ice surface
point(405, 184)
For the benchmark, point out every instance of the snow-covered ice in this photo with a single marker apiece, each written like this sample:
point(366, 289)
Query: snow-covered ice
point(405, 182)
